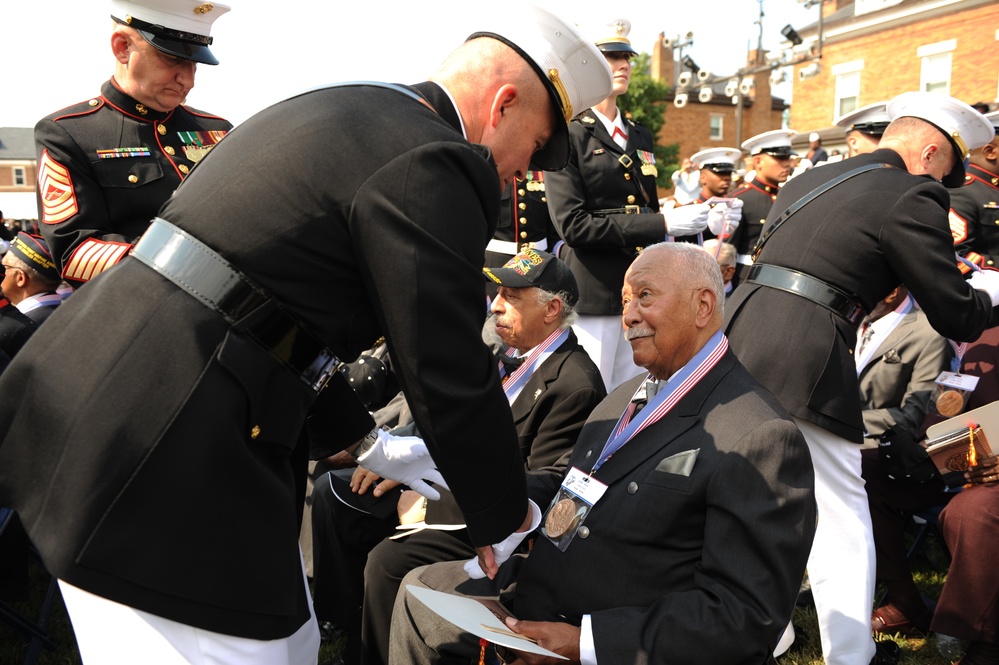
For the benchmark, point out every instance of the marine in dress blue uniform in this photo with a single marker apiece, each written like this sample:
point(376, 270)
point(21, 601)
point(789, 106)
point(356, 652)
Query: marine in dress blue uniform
point(974, 207)
point(106, 165)
point(771, 154)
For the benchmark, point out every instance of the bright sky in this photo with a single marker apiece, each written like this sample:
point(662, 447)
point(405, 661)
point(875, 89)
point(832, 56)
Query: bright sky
point(58, 52)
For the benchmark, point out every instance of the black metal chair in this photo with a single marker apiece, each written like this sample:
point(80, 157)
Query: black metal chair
point(35, 632)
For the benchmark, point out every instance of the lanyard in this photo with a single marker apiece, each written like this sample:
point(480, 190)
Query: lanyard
point(675, 389)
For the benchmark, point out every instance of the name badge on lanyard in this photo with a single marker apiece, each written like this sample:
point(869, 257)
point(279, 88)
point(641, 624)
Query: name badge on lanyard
point(568, 510)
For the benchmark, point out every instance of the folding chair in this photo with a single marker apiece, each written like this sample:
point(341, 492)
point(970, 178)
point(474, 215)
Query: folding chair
point(35, 632)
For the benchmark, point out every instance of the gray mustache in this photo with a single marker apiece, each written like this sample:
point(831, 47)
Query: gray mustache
point(636, 333)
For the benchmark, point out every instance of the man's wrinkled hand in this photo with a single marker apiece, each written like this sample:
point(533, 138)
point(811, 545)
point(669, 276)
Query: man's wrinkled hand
point(985, 472)
point(562, 638)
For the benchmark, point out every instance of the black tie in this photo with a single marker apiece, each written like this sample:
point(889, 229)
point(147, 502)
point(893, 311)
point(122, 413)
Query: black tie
point(510, 364)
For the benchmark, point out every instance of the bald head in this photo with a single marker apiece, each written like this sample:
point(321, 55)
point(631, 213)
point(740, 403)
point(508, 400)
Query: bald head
point(477, 69)
point(502, 102)
point(923, 147)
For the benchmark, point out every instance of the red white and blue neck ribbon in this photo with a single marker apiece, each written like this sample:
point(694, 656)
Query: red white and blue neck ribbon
point(513, 385)
point(677, 386)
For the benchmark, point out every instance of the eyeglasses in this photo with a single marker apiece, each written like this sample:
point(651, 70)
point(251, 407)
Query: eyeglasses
point(4, 268)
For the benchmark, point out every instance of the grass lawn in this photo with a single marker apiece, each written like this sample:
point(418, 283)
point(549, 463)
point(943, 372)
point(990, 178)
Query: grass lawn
point(928, 565)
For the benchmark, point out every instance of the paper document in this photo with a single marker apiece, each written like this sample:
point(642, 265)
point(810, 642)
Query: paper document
point(473, 617)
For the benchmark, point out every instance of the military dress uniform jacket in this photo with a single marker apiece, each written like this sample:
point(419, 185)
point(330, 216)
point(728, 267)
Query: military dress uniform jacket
point(896, 385)
point(524, 221)
point(974, 218)
point(703, 567)
point(105, 166)
point(866, 236)
point(163, 468)
point(601, 245)
point(758, 198)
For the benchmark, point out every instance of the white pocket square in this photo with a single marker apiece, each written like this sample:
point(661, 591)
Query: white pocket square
point(681, 464)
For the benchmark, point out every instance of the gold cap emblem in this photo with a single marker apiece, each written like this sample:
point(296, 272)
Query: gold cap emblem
point(204, 9)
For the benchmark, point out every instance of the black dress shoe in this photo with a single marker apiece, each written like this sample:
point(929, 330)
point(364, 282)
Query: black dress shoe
point(329, 633)
point(886, 653)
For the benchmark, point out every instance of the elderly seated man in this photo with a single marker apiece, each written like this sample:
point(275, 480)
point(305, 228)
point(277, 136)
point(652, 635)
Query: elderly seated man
point(31, 277)
point(691, 542)
point(552, 386)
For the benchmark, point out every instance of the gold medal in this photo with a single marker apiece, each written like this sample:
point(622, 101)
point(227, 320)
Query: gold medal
point(195, 153)
point(950, 403)
point(561, 518)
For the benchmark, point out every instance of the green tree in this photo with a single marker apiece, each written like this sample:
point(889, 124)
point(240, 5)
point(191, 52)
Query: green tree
point(645, 103)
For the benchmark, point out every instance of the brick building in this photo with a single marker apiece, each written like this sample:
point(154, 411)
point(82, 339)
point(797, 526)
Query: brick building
point(716, 123)
point(875, 49)
point(17, 173)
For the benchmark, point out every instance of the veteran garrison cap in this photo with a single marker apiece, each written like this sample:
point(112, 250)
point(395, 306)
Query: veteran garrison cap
point(776, 142)
point(871, 119)
point(34, 251)
point(964, 127)
point(177, 27)
point(613, 37)
point(534, 267)
point(718, 160)
point(576, 75)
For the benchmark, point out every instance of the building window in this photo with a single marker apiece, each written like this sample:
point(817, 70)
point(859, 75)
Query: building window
point(935, 75)
point(935, 66)
point(847, 93)
point(717, 127)
point(20, 180)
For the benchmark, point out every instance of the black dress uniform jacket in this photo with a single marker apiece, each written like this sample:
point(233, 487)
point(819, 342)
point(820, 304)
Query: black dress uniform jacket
point(601, 246)
point(524, 220)
point(105, 167)
point(974, 218)
point(867, 235)
point(163, 468)
point(758, 198)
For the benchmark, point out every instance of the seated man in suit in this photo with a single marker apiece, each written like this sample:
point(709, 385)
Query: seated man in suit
point(31, 277)
point(697, 544)
point(899, 357)
point(552, 386)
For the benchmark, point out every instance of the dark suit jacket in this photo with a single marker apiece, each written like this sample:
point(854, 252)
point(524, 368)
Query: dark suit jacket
point(702, 568)
point(548, 413)
point(601, 247)
point(896, 385)
point(871, 233)
point(172, 481)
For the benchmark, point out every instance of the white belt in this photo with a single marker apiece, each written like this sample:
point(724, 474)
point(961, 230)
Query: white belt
point(511, 248)
point(744, 259)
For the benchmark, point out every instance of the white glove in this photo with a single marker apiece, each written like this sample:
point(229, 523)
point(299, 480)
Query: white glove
point(988, 281)
point(724, 218)
point(404, 459)
point(504, 550)
point(686, 220)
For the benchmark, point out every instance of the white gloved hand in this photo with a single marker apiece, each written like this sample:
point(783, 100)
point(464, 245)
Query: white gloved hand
point(724, 218)
point(988, 281)
point(687, 220)
point(404, 459)
point(504, 550)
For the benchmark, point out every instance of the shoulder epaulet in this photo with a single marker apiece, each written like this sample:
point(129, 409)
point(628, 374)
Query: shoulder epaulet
point(79, 109)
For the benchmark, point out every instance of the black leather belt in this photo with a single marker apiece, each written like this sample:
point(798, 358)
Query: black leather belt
point(200, 271)
point(821, 293)
point(627, 210)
